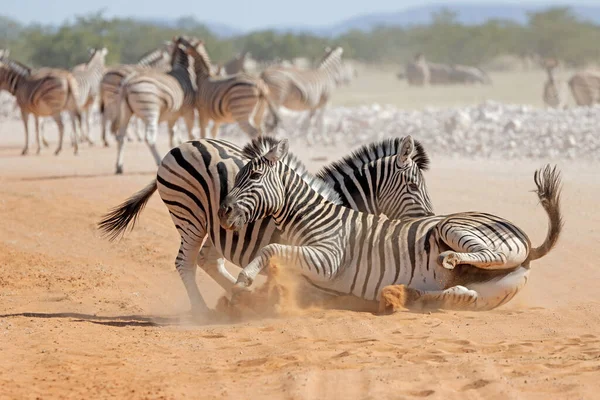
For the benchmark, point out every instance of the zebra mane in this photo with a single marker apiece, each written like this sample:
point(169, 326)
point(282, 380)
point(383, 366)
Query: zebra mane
point(16, 66)
point(260, 146)
point(331, 56)
point(369, 153)
point(152, 56)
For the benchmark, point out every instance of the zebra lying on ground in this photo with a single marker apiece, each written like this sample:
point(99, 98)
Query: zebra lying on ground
point(239, 98)
point(44, 93)
point(306, 90)
point(349, 252)
point(154, 97)
point(194, 177)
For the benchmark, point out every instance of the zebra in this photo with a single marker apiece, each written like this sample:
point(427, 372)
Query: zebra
point(45, 92)
point(236, 64)
point(469, 260)
point(310, 89)
point(158, 59)
point(156, 97)
point(194, 177)
point(416, 72)
point(88, 77)
point(555, 90)
point(585, 87)
point(238, 98)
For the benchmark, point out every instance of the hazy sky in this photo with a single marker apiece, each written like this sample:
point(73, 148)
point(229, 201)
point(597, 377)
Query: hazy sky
point(241, 14)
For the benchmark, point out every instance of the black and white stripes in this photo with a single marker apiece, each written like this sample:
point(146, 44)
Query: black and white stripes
point(354, 253)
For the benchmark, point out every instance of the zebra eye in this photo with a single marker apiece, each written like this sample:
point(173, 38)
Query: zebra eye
point(413, 187)
point(254, 176)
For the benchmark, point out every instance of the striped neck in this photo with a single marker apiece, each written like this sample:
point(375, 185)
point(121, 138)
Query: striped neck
point(152, 58)
point(11, 75)
point(300, 198)
point(202, 63)
point(333, 61)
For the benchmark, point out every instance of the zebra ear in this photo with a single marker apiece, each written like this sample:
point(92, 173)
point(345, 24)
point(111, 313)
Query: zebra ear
point(407, 148)
point(278, 151)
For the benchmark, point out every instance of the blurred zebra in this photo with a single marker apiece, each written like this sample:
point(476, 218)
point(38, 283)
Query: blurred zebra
point(195, 176)
point(352, 253)
point(585, 87)
point(154, 97)
point(555, 90)
point(309, 89)
point(417, 71)
point(158, 59)
point(88, 77)
point(236, 64)
point(43, 93)
point(237, 98)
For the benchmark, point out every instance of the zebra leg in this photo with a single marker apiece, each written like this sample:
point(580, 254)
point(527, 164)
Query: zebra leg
point(103, 121)
point(188, 118)
point(247, 126)
point(298, 256)
point(74, 139)
point(43, 134)
point(214, 130)
point(185, 263)
point(202, 122)
point(124, 123)
point(37, 133)
point(211, 262)
point(61, 131)
point(87, 127)
point(25, 118)
point(172, 132)
point(470, 247)
point(306, 127)
point(151, 133)
point(476, 296)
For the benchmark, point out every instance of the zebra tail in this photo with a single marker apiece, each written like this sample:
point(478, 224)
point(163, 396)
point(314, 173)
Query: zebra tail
point(123, 102)
point(73, 94)
point(272, 109)
point(119, 218)
point(547, 180)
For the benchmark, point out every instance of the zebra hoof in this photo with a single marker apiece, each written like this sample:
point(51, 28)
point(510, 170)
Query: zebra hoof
point(57, 152)
point(448, 259)
point(236, 291)
point(24, 152)
point(119, 170)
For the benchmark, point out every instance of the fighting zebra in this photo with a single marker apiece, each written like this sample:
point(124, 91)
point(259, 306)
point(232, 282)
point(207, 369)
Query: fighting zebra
point(302, 90)
point(585, 87)
point(44, 93)
point(555, 90)
point(155, 97)
point(348, 252)
point(158, 60)
point(88, 77)
point(238, 98)
point(194, 177)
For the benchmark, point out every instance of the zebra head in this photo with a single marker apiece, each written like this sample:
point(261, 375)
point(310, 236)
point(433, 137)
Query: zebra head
point(258, 190)
point(403, 193)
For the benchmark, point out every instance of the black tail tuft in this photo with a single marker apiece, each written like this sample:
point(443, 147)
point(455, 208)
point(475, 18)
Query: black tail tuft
point(118, 219)
point(548, 184)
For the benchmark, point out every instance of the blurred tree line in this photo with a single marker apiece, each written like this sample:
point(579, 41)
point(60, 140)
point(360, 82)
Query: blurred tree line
point(555, 32)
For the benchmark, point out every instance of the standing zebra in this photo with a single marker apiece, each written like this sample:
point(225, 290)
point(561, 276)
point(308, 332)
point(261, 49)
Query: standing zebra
point(194, 177)
point(302, 90)
point(585, 87)
point(555, 90)
point(88, 77)
point(349, 252)
point(158, 60)
point(238, 98)
point(155, 97)
point(43, 93)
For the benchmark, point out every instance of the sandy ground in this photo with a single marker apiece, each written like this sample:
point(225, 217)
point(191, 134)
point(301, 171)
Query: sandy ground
point(84, 318)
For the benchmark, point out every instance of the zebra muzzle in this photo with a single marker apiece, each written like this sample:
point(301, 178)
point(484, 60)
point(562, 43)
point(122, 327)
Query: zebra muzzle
point(230, 217)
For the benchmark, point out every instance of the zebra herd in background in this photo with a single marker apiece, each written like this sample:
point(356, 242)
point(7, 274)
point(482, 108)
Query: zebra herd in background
point(176, 81)
point(364, 226)
point(584, 86)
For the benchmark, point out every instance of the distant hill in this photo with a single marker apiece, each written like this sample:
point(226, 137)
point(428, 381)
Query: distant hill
point(469, 14)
